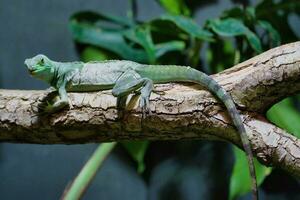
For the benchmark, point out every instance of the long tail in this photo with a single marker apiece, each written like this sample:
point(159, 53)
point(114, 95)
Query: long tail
point(171, 73)
point(234, 114)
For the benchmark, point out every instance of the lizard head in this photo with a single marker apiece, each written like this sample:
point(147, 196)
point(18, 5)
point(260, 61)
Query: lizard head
point(41, 67)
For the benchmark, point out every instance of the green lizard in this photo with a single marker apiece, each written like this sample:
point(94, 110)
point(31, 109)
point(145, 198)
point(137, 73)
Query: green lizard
point(125, 77)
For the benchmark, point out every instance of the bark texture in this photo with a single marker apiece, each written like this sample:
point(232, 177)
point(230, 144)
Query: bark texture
point(178, 111)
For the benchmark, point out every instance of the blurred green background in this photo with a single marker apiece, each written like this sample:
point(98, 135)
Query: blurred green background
point(207, 35)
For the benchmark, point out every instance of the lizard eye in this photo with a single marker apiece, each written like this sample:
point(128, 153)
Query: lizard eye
point(42, 61)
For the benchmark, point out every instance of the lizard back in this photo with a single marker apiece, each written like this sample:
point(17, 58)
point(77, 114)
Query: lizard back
point(98, 75)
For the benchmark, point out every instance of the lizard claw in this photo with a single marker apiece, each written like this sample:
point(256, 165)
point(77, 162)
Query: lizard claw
point(145, 106)
point(44, 106)
point(40, 108)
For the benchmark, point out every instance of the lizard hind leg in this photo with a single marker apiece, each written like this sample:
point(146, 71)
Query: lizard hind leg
point(130, 82)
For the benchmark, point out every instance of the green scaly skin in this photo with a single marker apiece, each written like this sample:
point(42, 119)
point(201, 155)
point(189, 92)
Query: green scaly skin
point(125, 77)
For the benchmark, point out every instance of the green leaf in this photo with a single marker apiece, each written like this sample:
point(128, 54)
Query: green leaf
point(285, 115)
point(274, 34)
point(254, 41)
point(111, 40)
point(142, 36)
point(174, 23)
point(232, 27)
point(91, 53)
point(240, 182)
point(176, 7)
point(166, 47)
point(92, 17)
point(137, 150)
point(228, 27)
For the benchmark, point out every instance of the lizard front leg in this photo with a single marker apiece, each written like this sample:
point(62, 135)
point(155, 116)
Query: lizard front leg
point(58, 104)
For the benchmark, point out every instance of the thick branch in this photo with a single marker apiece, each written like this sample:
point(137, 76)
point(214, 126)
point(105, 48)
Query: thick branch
point(178, 112)
point(258, 83)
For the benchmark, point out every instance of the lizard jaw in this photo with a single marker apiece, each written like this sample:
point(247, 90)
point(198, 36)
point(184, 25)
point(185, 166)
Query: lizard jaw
point(29, 66)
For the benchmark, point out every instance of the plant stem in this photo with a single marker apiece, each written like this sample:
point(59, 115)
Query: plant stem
point(132, 13)
point(88, 172)
point(194, 52)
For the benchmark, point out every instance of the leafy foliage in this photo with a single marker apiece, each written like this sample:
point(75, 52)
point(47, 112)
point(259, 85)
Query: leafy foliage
point(137, 150)
point(232, 27)
point(175, 7)
point(284, 115)
point(175, 38)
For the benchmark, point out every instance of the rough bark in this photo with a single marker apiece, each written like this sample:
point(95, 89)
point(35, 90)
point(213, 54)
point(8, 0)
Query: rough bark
point(179, 111)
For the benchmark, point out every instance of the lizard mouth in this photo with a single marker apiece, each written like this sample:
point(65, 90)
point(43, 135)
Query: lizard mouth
point(31, 71)
point(35, 69)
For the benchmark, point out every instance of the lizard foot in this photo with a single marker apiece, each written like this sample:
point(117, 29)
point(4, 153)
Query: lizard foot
point(46, 107)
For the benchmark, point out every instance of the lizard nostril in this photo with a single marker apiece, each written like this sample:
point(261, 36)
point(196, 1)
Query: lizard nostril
point(27, 63)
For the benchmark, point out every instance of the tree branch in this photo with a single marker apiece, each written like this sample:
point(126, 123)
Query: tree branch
point(263, 80)
point(179, 111)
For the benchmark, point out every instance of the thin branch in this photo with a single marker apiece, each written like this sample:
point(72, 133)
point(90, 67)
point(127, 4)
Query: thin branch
point(178, 112)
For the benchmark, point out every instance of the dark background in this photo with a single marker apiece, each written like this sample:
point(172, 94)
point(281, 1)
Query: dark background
point(42, 171)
